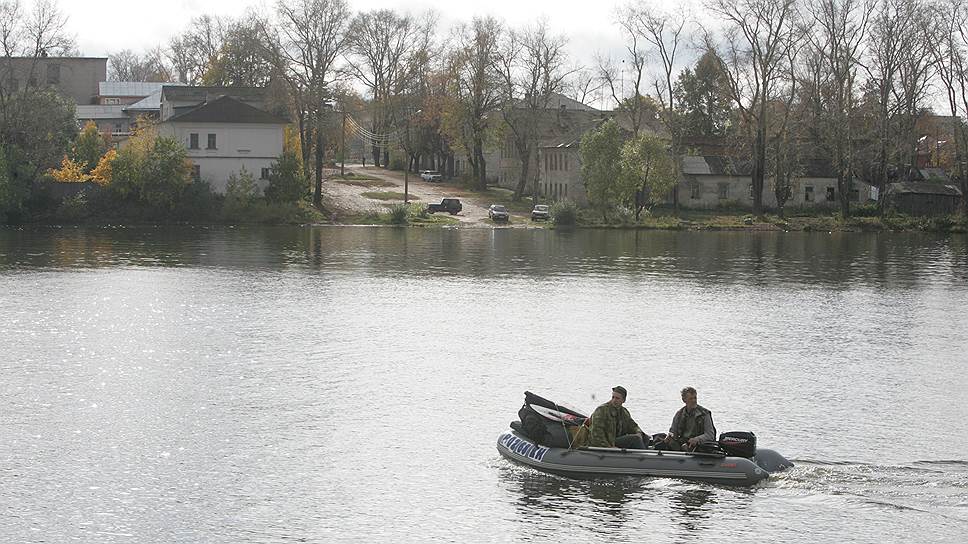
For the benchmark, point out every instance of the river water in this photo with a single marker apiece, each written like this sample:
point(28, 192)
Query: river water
point(349, 384)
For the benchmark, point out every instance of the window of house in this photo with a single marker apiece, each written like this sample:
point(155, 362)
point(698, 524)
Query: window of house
point(696, 190)
point(196, 172)
point(566, 163)
point(854, 195)
point(723, 191)
point(53, 74)
point(831, 194)
point(211, 142)
point(265, 174)
point(546, 163)
point(118, 128)
point(193, 141)
point(566, 191)
point(111, 101)
point(808, 193)
point(750, 193)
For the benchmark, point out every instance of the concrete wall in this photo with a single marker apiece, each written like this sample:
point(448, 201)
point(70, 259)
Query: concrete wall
point(712, 191)
point(254, 146)
point(76, 78)
point(561, 175)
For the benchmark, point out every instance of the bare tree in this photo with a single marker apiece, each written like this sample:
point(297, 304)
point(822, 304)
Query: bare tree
point(890, 22)
point(531, 67)
point(665, 33)
point(949, 48)
point(582, 85)
point(383, 46)
point(759, 35)
point(126, 65)
point(840, 32)
point(311, 36)
point(192, 52)
point(33, 35)
point(242, 60)
point(636, 108)
point(475, 88)
point(785, 139)
point(914, 75)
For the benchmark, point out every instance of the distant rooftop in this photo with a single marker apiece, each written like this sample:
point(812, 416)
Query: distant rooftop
point(226, 109)
point(183, 93)
point(151, 102)
point(130, 88)
point(100, 112)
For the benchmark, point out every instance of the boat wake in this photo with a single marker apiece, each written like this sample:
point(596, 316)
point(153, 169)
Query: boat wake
point(937, 488)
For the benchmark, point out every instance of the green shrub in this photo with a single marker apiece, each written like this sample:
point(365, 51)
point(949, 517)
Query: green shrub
point(241, 194)
point(286, 180)
point(869, 209)
point(624, 215)
point(419, 211)
point(198, 203)
point(399, 214)
point(564, 213)
point(73, 208)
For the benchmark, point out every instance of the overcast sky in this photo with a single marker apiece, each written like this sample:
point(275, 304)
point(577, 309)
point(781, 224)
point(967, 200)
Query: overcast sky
point(106, 26)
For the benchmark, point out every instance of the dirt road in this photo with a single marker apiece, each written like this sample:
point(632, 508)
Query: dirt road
point(473, 214)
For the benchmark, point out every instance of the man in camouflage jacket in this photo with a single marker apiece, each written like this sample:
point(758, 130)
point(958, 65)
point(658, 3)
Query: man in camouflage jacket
point(613, 427)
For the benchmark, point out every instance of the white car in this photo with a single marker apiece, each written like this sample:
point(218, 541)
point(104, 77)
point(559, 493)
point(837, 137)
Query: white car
point(431, 176)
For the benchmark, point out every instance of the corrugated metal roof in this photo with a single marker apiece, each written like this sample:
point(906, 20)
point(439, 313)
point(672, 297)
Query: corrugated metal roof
point(227, 110)
point(100, 112)
point(201, 94)
point(151, 102)
point(130, 88)
point(694, 165)
point(922, 187)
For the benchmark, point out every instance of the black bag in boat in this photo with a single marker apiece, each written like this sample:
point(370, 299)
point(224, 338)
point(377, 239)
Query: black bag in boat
point(531, 398)
point(541, 429)
point(738, 443)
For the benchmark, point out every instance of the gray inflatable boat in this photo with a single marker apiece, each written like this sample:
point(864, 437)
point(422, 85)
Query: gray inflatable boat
point(598, 462)
point(541, 439)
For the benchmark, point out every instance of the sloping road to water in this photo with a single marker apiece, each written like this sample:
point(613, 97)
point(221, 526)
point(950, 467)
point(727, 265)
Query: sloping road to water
point(474, 212)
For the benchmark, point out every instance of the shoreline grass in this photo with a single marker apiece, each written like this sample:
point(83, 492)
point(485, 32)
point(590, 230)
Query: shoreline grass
point(386, 195)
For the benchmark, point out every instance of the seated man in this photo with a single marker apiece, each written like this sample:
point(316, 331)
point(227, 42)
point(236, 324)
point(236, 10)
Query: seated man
point(692, 425)
point(613, 427)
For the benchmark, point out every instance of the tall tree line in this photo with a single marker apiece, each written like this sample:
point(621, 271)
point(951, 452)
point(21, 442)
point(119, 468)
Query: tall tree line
point(784, 81)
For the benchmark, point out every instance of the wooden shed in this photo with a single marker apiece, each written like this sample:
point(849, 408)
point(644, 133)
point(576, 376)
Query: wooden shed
point(922, 198)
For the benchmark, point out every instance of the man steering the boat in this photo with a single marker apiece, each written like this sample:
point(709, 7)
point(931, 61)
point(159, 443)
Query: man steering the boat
point(692, 426)
point(612, 426)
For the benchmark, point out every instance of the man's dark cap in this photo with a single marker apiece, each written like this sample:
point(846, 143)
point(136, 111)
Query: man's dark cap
point(621, 391)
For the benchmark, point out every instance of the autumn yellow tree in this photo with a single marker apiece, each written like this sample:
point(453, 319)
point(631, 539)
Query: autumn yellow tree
point(102, 173)
point(70, 171)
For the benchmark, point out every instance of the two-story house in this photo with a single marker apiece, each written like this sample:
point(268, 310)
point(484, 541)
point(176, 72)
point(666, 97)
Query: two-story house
point(223, 134)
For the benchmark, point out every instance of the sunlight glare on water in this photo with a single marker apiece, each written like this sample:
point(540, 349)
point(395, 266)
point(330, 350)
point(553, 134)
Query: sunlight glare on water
point(339, 384)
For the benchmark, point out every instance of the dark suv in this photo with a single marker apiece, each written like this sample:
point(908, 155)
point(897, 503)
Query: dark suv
point(449, 205)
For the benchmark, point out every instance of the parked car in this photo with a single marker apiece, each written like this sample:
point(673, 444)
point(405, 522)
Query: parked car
point(431, 176)
point(541, 212)
point(498, 212)
point(449, 205)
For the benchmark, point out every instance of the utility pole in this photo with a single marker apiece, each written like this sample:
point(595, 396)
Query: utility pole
point(342, 165)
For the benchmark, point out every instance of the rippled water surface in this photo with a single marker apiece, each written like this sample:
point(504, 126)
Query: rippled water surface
point(349, 384)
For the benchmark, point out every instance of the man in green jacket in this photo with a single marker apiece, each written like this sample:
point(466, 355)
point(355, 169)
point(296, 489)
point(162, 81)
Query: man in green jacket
point(613, 427)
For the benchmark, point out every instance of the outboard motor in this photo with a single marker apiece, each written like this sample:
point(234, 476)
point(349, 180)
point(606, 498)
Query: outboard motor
point(738, 444)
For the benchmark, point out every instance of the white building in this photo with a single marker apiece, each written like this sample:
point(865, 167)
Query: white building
point(224, 135)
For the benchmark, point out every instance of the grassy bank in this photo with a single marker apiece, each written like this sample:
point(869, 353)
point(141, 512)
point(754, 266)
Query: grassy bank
point(719, 220)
